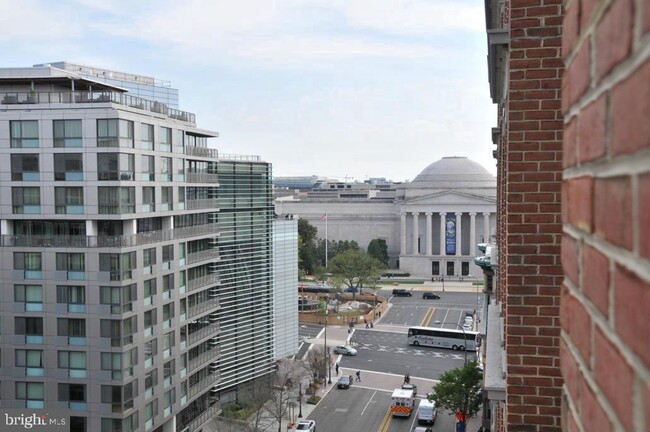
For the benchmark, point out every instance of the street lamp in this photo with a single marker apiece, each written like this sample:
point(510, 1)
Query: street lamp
point(300, 398)
point(326, 361)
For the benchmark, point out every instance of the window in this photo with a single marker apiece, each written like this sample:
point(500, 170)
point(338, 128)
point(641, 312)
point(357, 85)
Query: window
point(24, 133)
point(69, 200)
point(78, 424)
point(166, 169)
point(181, 198)
point(180, 169)
point(148, 199)
point(111, 295)
point(435, 268)
point(464, 268)
point(168, 253)
point(116, 200)
point(31, 360)
point(24, 167)
point(179, 141)
point(74, 362)
point(30, 392)
point(73, 328)
point(29, 326)
point(149, 260)
point(168, 338)
point(26, 200)
point(150, 351)
point(67, 133)
point(72, 295)
point(111, 329)
point(150, 412)
point(146, 136)
point(450, 268)
point(169, 398)
point(112, 362)
point(150, 320)
point(68, 166)
point(148, 168)
point(166, 198)
point(165, 139)
point(120, 265)
point(30, 295)
point(30, 262)
point(70, 262)
point(149, 291)
point(73, 393)
point(167, 285)
point(150, 381)
point(169, 369)
point(115, 166)
point(129, 424)
point(115, 133)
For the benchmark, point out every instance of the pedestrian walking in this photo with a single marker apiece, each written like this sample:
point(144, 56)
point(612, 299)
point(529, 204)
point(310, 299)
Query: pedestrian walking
point(337, 368)
point(358, 375)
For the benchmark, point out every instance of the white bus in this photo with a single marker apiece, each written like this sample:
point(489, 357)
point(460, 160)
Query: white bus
point(443, 338)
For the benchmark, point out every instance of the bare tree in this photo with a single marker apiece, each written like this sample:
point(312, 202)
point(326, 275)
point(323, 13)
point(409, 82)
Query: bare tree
point(283, 391)
point(313, 365)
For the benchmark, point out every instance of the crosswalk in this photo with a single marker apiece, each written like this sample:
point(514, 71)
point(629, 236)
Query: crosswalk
point(413, 351)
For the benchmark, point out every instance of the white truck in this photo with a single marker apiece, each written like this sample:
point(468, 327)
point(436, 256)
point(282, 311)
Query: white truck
point(402, 403)
point(427, 412)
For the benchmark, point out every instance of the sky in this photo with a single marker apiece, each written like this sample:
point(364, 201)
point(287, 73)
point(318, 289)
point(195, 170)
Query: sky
point(346, 89)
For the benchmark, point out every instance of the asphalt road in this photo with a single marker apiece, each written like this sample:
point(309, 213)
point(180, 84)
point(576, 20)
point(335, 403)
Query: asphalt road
point(367, 410)
point(388, 352)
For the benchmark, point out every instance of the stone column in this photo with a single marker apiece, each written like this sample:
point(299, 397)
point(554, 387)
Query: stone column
point(458, 236)
point(472, 234)
point(416, 233)
point(402, 235)
point(429, 235)
point(442, 233)
point(486, 227)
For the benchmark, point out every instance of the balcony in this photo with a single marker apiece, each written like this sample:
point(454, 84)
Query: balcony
point(211, 305)
point(200, 420)
point(62, 241)
point(202, 359)
point(73, 97)
point(202, 281)
point(201, 152)
point(201, 178)
point(206, 255)
point(210, 330)
point(200, 204)
point(203, 384)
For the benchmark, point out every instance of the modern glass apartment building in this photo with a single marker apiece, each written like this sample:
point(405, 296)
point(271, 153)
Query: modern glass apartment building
point(135, 261)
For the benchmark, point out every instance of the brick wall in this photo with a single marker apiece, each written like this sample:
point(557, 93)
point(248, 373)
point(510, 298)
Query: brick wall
point(605, 310)
point(531, 270)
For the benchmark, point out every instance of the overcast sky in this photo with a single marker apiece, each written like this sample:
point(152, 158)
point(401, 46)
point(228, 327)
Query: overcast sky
point(356, 88)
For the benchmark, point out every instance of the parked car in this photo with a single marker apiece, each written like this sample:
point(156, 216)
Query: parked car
point(430, 295)
point(306, 425)
point(345, 350)
point(401, 292)
point(411, 387)
point(344, 382)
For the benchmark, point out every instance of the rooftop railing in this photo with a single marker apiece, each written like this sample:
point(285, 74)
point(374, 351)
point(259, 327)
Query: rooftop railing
point(72, 97)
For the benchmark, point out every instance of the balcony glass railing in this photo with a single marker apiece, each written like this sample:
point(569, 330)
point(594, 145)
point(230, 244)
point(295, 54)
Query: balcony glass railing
point(68, 97)
point(104, 240)
point(202, 281)
point(203, 384)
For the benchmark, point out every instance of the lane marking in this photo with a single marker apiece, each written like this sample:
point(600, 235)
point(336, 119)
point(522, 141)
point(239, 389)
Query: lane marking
point(369, 400)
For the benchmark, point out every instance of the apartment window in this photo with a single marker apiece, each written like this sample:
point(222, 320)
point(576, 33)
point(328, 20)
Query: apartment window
point(165, 139)
point(150, 320)
point(72, 295)
point(32, 393)
point(73, 328)
point(111, 295)
point(180, 169)
point(167, 253)
point(181, 198)
point(148, 199)
point(69, 200)
point(150, 412)
point(168, 338)
point(167, 285)
point(111, 329)
point(129, 358)
point(30, 262)
point(68, 167)
point(119, 265)
point(31, 327)
point(148, 168)
point(30, 295)
point(78, 424)
point(73, 263)
point(179, 141)
point(115, 133)
point(129, 424)
point(24, 167)
point(26, 200)
point(150, 381)
point(74, 362)
point(31, 360)
point(169, 398)
point(24, 133)
point(115, 166)
point(116, 200)
point(74, 394)
point(169, 369)
point(146, 136)
point(166, 169)
point(150, 351)
point(112, 362)
point(166, 198)
point(67, 133)
point(149, 291)
point(149, 260)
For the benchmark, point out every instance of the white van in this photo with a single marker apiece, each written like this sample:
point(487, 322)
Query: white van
point(427, 412)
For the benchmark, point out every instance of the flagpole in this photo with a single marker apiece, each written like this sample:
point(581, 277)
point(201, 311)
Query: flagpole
point(326, 240)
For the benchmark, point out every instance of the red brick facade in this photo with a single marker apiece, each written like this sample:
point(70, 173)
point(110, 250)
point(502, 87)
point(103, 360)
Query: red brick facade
point(605, 310)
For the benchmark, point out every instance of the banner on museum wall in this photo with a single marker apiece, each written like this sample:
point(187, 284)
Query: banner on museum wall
point(450, 235)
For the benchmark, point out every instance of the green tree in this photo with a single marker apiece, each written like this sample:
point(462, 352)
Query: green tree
point(459, 390)
point(333, 248)
point(378, 249)
point(354, 268)
point(307, 257)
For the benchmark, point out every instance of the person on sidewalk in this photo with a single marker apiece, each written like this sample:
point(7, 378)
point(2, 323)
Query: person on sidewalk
point(336, 366)
point(359, 376)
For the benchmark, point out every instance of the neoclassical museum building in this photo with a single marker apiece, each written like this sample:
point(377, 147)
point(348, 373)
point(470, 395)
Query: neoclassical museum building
point(431, 225)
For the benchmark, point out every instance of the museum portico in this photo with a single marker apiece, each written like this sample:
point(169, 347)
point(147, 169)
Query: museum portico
point(431, 225)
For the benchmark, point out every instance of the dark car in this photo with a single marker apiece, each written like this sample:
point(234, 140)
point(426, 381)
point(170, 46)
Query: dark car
point(344, 382)
point(430, 295)
point(411, 387)
point(401, 292)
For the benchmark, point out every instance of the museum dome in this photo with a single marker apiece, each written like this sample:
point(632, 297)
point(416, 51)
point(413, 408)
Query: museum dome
point(455, 171)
